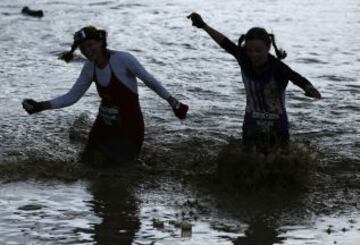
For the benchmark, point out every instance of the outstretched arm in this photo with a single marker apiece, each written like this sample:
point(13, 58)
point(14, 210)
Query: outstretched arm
point(74, 94)
point(217, 36)
point(200, 23)
point(139, 71)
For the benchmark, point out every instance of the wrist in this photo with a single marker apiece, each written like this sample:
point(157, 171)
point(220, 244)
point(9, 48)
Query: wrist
point(308, 86)
point(44, 105)
point(173, 102)
point(169, 99)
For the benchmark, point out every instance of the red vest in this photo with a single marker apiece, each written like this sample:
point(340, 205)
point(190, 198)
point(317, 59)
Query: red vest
point(119, 113)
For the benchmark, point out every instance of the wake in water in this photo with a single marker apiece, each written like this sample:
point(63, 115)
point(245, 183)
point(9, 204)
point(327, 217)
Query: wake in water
point(245, 170)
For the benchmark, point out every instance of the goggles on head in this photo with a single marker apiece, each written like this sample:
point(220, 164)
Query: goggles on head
point(82, 35)
point(79, 36)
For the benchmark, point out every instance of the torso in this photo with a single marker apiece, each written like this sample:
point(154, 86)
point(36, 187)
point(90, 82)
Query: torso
point(263, 91)
point(119, 113)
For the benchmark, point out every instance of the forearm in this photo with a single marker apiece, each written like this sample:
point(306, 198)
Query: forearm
point(214, 34)
point(293, 76)
point(45, 105)
point(201, 24)
point(150, 81)
point(222, 40)
point(301, 83)
point(156, 86)
point(305, 85)
point(137, 70)
point(71, 97)
point(63, 101)
point(299, 80)
point(79, 88)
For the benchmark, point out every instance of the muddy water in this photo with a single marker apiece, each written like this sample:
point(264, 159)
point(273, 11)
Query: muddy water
point(322, 41)
point(108, 212)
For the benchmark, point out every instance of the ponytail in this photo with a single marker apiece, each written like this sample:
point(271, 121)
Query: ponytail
point(68, 55)
point(85, 33)
point(102, 34)
point(280, 53)
point(102, 37)
point(259, 33)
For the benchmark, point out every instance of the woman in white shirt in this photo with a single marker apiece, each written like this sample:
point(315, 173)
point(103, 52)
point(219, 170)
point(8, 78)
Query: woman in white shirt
point(118, 132)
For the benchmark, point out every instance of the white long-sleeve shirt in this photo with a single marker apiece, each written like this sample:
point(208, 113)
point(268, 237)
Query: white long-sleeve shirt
point(125, 67)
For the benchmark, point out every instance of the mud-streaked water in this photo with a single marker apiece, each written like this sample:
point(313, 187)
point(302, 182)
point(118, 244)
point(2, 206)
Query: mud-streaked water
point(323, 43)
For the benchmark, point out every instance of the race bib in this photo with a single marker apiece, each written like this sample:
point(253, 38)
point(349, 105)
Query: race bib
point(109, 115)
point(265, 126)
point(265, 122)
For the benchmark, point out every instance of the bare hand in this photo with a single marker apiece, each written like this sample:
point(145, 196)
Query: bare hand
point(179, 108)
point(197, 20)
point(31, 106)
point(310, 91)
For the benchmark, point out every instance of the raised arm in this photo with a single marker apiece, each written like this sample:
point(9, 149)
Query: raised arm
point(218, 37)
point(200, 23)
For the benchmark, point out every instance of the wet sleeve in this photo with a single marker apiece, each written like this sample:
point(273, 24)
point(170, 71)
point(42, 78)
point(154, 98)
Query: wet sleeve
point(229, 46)
point(139, 71)
point(81, 85)
point(293, 76)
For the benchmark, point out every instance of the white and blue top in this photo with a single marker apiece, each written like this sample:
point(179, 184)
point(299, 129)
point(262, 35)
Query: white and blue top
point(124, 66)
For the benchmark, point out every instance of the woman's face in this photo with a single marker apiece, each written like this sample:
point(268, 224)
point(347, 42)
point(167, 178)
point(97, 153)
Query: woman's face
point(257, 51)
point(91, 49)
